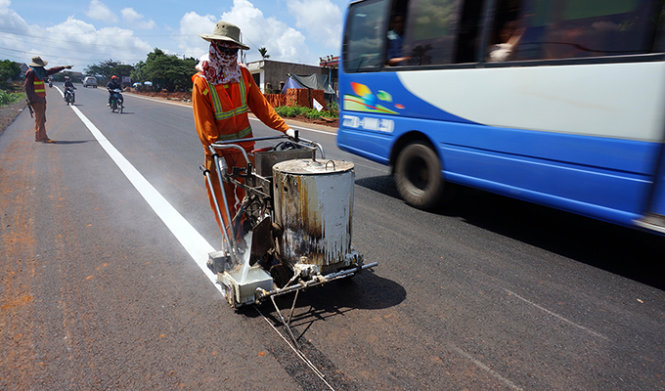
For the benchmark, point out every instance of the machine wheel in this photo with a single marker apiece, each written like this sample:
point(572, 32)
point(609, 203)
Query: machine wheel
point(114, 105)
point(418, 175)
point(121, 107)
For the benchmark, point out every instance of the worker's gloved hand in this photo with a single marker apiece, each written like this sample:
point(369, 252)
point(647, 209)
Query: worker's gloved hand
point(292, 134)
point(68, 66)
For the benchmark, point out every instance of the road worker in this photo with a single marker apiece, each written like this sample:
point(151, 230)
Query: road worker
point(36, 94)
point(223, 93)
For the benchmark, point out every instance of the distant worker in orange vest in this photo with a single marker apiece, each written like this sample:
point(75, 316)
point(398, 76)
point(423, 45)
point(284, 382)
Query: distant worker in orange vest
point(36, 93)
point(222, 94)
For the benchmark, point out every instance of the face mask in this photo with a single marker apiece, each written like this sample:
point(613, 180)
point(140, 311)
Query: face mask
point(222, 65)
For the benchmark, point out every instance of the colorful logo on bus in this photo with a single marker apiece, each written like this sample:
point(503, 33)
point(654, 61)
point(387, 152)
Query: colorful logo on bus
point(365, 100)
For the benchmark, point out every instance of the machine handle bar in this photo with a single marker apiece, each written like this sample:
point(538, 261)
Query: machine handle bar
point(299, 140)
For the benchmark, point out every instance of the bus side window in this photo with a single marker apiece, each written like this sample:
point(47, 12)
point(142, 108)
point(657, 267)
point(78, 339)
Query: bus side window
point(565, 29)
point(470, 27)
point(364, 37)
point(430, 29)
point(395, 55)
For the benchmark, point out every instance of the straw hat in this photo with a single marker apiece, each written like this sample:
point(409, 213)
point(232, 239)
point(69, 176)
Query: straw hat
point(38, 62)
point(225, 31)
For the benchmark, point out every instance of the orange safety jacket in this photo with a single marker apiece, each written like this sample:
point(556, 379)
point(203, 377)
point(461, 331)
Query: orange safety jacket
point(38, 85)
point(221, 111)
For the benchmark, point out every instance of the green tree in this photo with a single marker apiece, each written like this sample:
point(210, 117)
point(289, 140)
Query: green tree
point(137, 73)
point(9, 70)
point(108, 68)
point(167, 71)
point(264, 53)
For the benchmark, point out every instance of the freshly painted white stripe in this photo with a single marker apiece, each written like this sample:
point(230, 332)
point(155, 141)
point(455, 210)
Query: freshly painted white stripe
point(488, 369)
point(195, 245)
point(606, 100)
point(557, 315)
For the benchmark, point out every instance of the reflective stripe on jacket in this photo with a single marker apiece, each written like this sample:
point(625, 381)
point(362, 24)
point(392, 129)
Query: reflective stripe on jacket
point(38, 86)
point(221, 111)
point(221, 114)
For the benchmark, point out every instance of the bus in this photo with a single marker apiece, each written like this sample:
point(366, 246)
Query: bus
point(555, 102)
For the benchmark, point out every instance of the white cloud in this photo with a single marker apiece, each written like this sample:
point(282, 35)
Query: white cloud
point(91, 46)
point(283, 42)
point(321, 19)
point(99, 11)
point(10, 21)
point(191, 25)
point(16, 34)
point(134, 19)
point(72, 42)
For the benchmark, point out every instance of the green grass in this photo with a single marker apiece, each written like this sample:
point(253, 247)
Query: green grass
point(7, 97)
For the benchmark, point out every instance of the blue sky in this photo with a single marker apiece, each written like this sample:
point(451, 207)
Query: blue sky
point(86, 32)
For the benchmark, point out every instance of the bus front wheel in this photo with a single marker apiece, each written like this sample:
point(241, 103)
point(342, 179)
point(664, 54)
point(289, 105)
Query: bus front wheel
point(418, 176)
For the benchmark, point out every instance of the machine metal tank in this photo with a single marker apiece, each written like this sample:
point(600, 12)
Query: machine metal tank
point(313, 204)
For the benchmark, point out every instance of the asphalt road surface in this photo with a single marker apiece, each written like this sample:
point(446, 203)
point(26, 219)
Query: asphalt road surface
point(103, 237)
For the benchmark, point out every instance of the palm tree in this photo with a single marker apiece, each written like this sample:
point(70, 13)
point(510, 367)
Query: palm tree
point(264, 53)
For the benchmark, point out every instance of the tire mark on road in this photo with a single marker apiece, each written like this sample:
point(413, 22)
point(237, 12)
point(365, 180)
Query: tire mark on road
point(487, 369)
point(554, 314)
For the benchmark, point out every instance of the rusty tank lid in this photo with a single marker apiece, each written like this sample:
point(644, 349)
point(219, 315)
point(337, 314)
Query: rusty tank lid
point(313, 167)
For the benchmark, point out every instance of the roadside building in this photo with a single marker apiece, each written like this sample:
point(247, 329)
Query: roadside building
point(271, 76)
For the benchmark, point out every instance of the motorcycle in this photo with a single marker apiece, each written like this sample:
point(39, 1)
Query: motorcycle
point(116, 100)
point(50, 83)
point(69, 95)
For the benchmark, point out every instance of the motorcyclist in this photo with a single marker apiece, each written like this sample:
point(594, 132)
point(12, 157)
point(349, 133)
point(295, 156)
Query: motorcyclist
point(112, 85)
point(68, 83)
point(69, 86)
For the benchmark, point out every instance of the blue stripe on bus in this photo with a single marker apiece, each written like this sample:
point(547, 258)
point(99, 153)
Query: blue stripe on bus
point(599, 177)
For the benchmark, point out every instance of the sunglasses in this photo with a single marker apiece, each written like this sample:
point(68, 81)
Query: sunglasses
point(226, 50)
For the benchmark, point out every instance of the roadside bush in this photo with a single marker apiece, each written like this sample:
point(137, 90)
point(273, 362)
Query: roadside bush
point(286, 111)
point(293, 111)
point(313, 114)
point(333, 109)
point(300, 110)
point(10, 97)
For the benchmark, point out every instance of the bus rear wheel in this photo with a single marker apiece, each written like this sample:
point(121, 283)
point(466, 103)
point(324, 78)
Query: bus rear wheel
point(418, 176)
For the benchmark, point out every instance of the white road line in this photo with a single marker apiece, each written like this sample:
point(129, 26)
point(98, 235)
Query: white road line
point(197, 247)
point(557, 316)
point(488, 369)
point(193, 242)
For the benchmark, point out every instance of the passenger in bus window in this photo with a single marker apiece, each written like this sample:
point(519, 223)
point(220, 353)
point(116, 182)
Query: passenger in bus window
point(509, 36)
point(395, 41)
